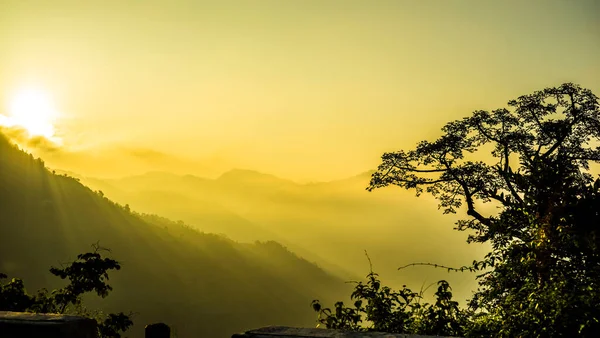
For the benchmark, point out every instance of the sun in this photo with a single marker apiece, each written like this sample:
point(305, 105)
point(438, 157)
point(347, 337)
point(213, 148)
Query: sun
point(33, 110)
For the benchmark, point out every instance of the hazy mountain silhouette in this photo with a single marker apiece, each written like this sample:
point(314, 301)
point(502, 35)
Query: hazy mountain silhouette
point(252, 177)
point(202, 284)
point(329, 222)
point(212, 205)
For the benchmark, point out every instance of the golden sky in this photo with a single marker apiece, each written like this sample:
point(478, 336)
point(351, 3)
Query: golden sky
point(307, 90)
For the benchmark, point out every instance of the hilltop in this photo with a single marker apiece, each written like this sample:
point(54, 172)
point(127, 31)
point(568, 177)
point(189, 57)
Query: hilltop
point(202, 284)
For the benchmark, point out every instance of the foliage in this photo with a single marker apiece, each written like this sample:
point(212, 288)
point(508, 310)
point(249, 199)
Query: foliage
point(379, 308)
point(541, 276)
point(89, 273)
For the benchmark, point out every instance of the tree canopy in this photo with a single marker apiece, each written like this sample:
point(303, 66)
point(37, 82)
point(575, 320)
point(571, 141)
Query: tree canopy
point(89, 273)
point(541, 275)
point(544, 266)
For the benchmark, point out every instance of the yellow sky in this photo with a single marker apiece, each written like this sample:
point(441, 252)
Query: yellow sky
point(301, 89)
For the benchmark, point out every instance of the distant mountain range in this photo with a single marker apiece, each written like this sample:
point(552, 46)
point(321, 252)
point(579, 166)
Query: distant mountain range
point(330, 223)
point(202, 284)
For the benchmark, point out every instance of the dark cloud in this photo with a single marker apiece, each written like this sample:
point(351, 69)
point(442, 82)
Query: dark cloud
point(21, 137)
point(15, 134)
point(43, 144)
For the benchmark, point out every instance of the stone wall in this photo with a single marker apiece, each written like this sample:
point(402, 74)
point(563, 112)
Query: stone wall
point(291, 332)
point(28, 325)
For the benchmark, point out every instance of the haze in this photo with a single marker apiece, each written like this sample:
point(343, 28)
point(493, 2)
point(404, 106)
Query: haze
point(259, 120)
point(306, 90)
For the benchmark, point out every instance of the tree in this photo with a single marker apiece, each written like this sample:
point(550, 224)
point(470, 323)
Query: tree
point(89, 273)
point(541, 276)
point(382, 309)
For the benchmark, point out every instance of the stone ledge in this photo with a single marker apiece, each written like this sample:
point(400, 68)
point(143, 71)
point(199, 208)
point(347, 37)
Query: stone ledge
point(292, 332)
point(48, 325)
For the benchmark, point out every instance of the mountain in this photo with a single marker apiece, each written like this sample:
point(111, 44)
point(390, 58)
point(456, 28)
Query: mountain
point(215, 206)
point(332, 223)
point(201, 284)
point(252, 177)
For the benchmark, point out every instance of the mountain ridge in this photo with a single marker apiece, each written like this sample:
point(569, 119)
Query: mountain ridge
point(332, 222)
point(235, 173)
point(171, 272)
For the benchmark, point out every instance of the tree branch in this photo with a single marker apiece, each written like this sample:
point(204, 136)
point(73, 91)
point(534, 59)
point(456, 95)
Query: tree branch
point(468, 197)
point(461, 269)
point(423, 182)
point(484, 133)
point(423, 170)
point(471, 206)
point(504, 174)
point(559, 142)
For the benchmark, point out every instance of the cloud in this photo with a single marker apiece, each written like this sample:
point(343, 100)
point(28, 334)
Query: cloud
point(100, 160)
point(21, 137)
point(153, 160)
point(149, 154)
point(43, 144)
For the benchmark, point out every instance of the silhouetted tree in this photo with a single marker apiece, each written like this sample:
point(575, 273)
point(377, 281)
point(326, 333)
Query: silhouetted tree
point(541, 277)
point(89, 273)
point(380, 308)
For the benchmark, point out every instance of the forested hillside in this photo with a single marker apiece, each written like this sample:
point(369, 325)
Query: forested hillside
point(330, 222)
point(202, 284)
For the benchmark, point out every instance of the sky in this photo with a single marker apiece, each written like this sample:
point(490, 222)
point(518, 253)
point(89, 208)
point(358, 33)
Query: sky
point(306, 90)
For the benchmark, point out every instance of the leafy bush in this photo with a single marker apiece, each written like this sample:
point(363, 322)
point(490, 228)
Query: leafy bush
point(379, 308)
point(88, 273)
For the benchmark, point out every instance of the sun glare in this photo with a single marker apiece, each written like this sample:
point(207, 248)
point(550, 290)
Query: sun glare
point(33, 110)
